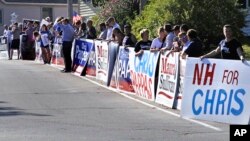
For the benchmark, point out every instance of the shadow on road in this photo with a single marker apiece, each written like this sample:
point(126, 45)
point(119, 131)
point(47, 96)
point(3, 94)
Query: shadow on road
point(12, 111)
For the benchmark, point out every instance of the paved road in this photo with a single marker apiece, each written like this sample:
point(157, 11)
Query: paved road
point(39, 103)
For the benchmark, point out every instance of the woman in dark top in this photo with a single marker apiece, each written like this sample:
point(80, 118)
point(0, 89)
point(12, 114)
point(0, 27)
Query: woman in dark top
point(143, 44)
point(228, 48)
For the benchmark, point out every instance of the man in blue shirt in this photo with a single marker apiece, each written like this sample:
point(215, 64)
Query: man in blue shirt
point(68, 34)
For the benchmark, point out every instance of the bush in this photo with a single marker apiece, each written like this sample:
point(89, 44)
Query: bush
point(206, 16)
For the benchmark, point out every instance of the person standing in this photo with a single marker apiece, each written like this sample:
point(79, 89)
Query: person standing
point(91, 31)
point(129, 40)
point(228, 48)
point(143, 44)
point(195, 47)
point(30, 39)
point(15, 44)
point(68, 34)
point(159, 42)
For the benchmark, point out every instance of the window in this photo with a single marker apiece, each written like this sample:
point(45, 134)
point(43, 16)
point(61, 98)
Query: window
point(1, 17)
point(47, 12)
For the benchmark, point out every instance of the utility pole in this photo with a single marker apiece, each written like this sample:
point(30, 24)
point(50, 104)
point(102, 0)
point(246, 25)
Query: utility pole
point(70, 10)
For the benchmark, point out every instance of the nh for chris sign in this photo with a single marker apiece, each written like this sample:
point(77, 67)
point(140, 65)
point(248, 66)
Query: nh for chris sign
point(217, 90)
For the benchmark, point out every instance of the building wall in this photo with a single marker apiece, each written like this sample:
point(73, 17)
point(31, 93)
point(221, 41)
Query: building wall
point(30, 12)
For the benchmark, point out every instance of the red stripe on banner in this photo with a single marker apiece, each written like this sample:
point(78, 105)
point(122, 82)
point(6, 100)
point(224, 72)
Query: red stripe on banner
point(179, 97)
point(166, 95)
point(123, 85)
point(91, 71)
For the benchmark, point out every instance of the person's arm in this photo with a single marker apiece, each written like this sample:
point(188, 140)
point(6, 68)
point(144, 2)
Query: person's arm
point(211, 54)
point(241, 54)
point(139, 53)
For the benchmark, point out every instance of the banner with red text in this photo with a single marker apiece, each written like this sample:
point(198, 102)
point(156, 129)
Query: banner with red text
point(182, 68)
point(91, 64)
point(217, 90)
point(126, 55)
point(168, 78)
point(142, 73)
point(82, 50)
point(57, 56)
point(101, 48)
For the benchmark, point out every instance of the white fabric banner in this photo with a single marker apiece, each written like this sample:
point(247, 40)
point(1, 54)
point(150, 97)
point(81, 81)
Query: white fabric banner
point(168, 78)
point(101, 48)
point(217, 90)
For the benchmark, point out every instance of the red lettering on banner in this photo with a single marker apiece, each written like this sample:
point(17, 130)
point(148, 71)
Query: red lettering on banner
point(142, 84)
point(167, 68)
point(208, 74)
point(230, 77)
point(100, 53)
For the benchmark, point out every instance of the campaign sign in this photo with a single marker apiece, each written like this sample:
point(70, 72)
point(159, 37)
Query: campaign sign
point(82, 50)
point(57, 55)
point(113, 49)
point(91, 64)
point(114, 81)
point(142, 73)
point(39, 57)
point(101, 48)
point(26, 21)
point(217, 90)
point(124, 78)
point(168, 78)
point(182, 68)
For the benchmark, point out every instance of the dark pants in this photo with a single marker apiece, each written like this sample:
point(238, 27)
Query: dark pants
point(66, 47)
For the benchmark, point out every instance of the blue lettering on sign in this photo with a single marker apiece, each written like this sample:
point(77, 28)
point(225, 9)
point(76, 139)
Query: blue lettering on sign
point(218, 102)
point(146, 63)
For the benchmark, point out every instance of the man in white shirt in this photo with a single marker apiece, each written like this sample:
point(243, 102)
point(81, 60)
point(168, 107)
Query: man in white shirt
point(112, 25)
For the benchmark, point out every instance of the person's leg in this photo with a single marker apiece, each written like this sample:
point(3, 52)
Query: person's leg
point(11, 54)
point(48, 54)
point(67, 55)
point(18, 54)
point(44, 55)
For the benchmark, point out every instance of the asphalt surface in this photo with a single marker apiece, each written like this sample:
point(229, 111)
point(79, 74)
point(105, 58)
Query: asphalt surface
point(39, 103)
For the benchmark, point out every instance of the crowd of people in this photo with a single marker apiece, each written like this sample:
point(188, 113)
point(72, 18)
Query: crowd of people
point(173, 38)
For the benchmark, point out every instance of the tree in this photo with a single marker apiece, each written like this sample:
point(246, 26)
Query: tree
point(206, 16)
point(123, 11)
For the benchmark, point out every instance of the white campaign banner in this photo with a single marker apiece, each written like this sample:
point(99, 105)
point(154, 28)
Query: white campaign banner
point(168, 78)
point(142, 73)
point(101, 48)
point(182, 68)
point(217, 90)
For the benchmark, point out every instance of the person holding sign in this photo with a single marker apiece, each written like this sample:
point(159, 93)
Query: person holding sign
point(228, 48)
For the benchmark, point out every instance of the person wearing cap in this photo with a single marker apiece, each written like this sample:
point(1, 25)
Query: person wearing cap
point(129, 39)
